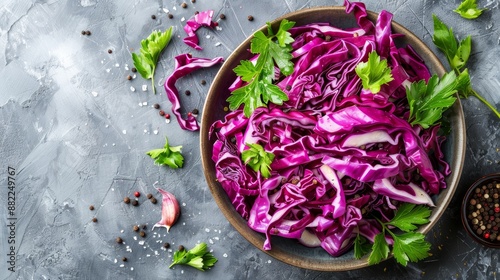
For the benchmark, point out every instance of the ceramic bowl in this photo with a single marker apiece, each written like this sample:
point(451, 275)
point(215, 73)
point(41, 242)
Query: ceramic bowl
point(290, 251)
point(481, 211)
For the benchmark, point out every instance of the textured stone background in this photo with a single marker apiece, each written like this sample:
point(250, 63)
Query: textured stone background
point(77, 135)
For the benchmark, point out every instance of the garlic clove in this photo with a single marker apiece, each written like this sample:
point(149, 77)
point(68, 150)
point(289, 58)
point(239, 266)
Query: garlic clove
point(170, 210)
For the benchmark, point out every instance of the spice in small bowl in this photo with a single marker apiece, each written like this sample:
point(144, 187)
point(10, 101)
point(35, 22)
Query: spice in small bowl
point(481, 211)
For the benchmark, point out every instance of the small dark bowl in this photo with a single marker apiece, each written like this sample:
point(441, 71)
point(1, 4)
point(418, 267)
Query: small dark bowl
point(287, 250)
point(486, 237)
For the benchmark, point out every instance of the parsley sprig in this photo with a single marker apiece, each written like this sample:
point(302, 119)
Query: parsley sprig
point(199, 257)
point(468, 9)
point(168, 155)
point(374, 73)
point(151, 48)
point(272, 49)
point(407, 246)
point(457, 54)
point(258, 159)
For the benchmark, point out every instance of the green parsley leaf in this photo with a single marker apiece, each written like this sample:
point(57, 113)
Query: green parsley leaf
point(457, 55)
point(258, 159)
point(380, 249)
point(374, 73)
point(273, 50)
point(198, 257)
point(429, 101)
point(410, 246)
point(408, 216)
point(361, 246)
point(468, 9)
point(151, 48)
point(168, 155)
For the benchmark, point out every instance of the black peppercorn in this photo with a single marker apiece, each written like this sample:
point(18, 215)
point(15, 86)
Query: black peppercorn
point(181, 248)
point(195, 111)
point(84, 32)
point(91, 207)
point(94, 220)
point(184, 5)
point(203, 82)
point(136, 228)
point(119, 240)
point(170, 16)
point(188, 92)
point(166, 245)
point(162, 113)
point(88, 33)
point(153, 17)
point(110, 51)
point(126, 200)
point(222, 16)
point(156, 106)
point(250, 18)
point(149, 196)
point(124, 259)
point(129, 77)
point(133, 69)
point(142, 233)
point(153, 200)
point(135, 202)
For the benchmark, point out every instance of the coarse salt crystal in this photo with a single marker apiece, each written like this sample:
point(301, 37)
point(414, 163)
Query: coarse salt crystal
point(144, 87)
point(135, 237)
point(94, 93)
point(210, 241)
point(131, 268)
point(126, 67)
point(224, 255)
point(183, 19)
point(145, 103)
point(155, 131)
point(183, 204)
point(166, 10)
point(167, 120)
point(216, 238)
point(108, 70)
point(122, 265)
point(218, 44)
point(124, 131)
point(207, 230)
point(208, 36)
point(117, 65)
point(141, 242)
point(132, 88)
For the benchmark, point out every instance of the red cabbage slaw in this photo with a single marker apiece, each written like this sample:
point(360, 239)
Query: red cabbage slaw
point(342, 154)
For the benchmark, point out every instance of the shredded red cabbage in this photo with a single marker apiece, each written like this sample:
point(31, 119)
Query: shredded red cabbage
point(201, 19)
point(342, 155)
point(185, 64)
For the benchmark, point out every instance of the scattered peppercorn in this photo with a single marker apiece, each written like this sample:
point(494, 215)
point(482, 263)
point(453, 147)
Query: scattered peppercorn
point(196, 111)
point(142, 233)
point(84, 32)
point(203, 82)
point(153, 17)
point(149, 196)
point(133, 69)
point(153, 200)
point(188, 92)
point(170, 16)
point(250, 18)
point(119, 240)
point(137, 194)
point(129, 77)
point(136, 228)
point(193, 1)
point(110, 51)
point(162, 113)
point(88, 33)
point(156, 106)
point(184, 5)
point(124, 259)
point(135, 202)
point(288, 87)
point(222, 16)
point(181, 248)
point(94, 220)
point(91, 207)
point(126, 200)
point(167, 116)
point(166, 245)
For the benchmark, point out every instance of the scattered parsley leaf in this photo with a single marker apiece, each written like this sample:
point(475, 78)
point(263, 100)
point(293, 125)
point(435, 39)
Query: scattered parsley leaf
point(410, 246)
point(468, 9)
point(374, 73)
point(198, 257)
point(168, 155)
point(407, 246)
point(361, 246)
point(380, 249)
point(408, 216)
point(428, 101)
point(258, 159)
point(151, 48)
point(272, 49)
point(457, 54)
